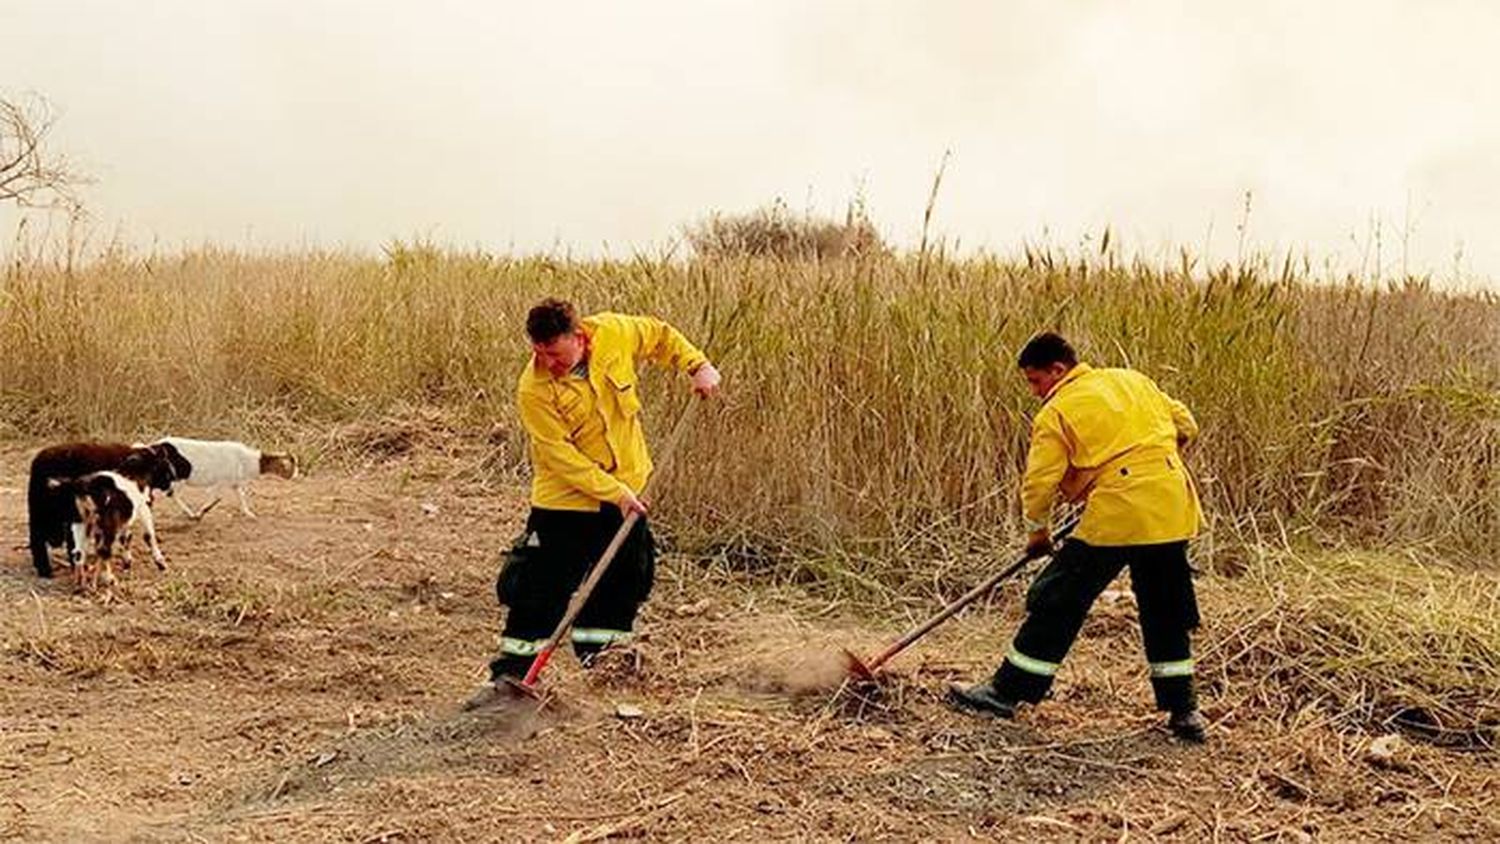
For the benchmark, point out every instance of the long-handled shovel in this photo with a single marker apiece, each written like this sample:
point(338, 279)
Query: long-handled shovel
point(865, 671)
point(528, 684)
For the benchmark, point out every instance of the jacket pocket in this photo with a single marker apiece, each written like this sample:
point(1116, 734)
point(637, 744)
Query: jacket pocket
point(622, 381)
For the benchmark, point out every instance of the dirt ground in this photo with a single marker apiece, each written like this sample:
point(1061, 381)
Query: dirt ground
point(298, 677)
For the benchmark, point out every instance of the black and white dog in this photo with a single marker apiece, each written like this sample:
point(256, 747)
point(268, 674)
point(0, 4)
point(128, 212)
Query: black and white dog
point(52, 507)
point(110, 507)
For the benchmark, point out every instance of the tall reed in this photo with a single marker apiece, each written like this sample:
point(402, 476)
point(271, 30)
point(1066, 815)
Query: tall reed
point(873, 417)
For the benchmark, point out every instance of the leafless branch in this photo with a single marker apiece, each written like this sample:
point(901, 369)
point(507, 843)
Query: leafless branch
point(31, 174)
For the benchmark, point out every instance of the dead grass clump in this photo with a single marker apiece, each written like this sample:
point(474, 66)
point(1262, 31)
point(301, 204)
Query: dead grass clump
point(134, 650)
point(241, 602)
point(1369, 642)
point(396, 434)
point(212, 600)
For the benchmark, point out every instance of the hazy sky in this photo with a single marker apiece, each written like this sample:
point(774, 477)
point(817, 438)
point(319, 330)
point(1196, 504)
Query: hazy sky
point(606, 125)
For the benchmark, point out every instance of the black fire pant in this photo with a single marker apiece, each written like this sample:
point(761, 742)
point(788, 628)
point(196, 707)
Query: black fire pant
point(1062, 594)
point(544, 567)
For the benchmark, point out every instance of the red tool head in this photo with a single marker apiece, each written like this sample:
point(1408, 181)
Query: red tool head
point(519, 689)
point(857, 668)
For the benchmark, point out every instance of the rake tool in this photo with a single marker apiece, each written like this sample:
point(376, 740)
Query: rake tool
point(864, 671)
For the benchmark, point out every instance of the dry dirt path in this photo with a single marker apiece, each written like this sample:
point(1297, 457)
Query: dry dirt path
point(297, 677)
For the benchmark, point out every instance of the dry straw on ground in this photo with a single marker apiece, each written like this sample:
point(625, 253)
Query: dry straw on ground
point(299, 677)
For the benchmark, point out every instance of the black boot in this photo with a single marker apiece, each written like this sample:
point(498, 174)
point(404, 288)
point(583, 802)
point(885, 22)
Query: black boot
point(1188, 725)
point(983, 699)
point(500, 693)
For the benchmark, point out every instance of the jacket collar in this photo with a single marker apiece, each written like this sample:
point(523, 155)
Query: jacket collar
point(1078, 371)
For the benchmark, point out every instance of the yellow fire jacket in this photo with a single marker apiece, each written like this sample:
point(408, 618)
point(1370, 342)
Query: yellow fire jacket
point(1111, 436)
point(585, 434)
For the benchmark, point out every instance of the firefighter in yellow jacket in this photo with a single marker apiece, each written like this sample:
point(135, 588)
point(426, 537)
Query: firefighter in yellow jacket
point(580, 403)
point(1110, 437)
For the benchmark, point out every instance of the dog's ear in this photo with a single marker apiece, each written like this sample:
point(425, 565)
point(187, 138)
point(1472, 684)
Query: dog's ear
point(179, 465)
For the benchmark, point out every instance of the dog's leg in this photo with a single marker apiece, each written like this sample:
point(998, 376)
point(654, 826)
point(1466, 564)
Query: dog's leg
point(244, 504)
point(41, 556)
point(183, 505)
point(75, 543)
point(148, 530)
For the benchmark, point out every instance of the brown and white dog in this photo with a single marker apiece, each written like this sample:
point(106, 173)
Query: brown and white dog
point(212, 464)
point(110, 506)
point(52, 511)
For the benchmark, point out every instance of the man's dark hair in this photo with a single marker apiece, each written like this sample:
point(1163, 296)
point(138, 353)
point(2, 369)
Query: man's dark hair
point(551, 319)
point(1046, 349)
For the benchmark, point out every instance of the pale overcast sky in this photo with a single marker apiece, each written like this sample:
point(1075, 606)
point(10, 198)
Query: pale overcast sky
point(606, 125)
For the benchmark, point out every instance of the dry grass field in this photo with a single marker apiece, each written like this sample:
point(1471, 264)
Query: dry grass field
point(298, 676)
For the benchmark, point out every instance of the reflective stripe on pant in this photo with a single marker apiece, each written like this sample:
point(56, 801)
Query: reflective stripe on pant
point(559, 549)
point(1059, 600)
point(1031, 665)
point(521, 647)
point(585, 639)
point(1177, 668)
point(599, 636)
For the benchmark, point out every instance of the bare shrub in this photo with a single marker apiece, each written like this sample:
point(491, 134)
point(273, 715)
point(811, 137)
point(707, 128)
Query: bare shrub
point(774, 231)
